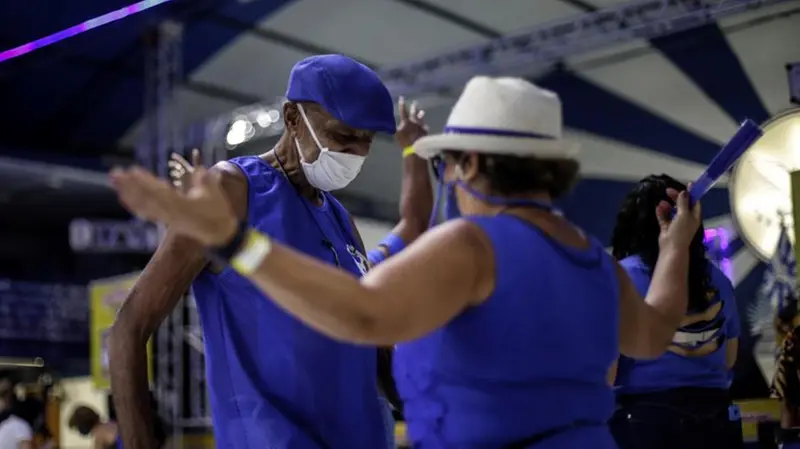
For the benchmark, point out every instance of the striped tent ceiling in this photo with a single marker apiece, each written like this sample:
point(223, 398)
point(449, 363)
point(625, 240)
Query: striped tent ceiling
point(664, 105)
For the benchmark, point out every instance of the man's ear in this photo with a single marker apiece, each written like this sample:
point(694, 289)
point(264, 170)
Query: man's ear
point(291, 118)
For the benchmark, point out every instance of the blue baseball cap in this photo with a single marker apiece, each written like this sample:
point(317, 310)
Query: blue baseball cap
point(350, 91)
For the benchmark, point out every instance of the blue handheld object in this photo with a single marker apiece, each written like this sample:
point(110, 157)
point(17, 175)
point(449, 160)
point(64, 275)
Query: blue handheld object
point(748, 133)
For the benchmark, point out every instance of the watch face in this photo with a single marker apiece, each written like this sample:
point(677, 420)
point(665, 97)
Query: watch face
point(761, 188)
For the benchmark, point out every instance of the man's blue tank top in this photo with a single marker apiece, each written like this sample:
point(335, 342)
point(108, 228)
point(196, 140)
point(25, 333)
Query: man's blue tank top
point(274, 382)
point(530, 359)
point(672, 370)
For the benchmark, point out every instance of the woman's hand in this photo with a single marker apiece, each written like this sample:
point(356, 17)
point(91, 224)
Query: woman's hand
point(679, 230)
point(412, 124)
point(199, 209)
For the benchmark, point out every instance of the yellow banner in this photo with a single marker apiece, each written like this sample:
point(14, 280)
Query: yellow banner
point(105, 299)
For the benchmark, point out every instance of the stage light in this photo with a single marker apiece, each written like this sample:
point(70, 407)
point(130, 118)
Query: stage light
point(263, 119)
point(237, 133)
point(717, 242)
point(252, 122)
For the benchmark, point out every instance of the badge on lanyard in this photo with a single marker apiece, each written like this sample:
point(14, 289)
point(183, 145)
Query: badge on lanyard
point(359, 259)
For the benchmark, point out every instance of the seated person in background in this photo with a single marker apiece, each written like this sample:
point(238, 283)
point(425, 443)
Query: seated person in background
point(786, 380)
point(15, 432)
point(87, 422)
point(681, 399)
point(44, 438)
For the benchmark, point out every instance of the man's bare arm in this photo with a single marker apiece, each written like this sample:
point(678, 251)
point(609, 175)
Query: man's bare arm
point(416, 199)
point(166, 278)
point(416, 204)
point(416, 194)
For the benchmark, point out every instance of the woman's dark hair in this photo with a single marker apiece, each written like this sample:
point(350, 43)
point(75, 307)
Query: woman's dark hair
point(637, 230)
point(514, 175)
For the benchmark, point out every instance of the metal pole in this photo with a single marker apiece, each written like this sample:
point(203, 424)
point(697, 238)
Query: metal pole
point(795, 180)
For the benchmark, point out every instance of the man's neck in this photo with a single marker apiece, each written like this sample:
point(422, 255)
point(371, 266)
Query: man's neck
point(285, 158)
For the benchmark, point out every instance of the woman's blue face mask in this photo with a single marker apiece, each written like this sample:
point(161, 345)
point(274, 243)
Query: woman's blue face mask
point(448, 188)
point(451, 209)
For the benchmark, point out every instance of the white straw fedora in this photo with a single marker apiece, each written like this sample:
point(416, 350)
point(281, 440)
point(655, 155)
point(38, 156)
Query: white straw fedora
point(508, 116)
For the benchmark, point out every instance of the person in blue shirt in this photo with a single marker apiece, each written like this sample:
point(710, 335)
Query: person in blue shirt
point(273, 381)
point(506, 317)
point(679, 400)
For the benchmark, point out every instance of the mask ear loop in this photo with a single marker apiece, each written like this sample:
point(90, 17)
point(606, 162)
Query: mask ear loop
point(437, 200)
point(310, 129)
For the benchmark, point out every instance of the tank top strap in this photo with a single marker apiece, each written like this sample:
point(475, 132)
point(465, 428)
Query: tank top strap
point(506, 230)
point(262, 181)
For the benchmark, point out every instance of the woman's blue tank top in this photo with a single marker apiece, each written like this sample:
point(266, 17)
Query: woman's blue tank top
point(672, 370)
point(530, 359)
point(274, 382)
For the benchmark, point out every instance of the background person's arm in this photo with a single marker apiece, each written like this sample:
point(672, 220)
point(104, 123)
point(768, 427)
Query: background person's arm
point(416, 202)
point(105, 435)
point(163, 282)
point(611, 376)
point(731, 352)
point(732, 322)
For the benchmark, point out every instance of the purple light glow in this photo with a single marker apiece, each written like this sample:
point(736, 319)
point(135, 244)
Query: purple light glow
point(718, 239)
point(90, 24)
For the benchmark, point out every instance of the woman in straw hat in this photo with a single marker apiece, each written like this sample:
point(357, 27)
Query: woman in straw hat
point(506, 317)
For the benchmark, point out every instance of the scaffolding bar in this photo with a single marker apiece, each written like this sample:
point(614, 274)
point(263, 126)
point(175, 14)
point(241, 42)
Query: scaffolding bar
point(163, 132)
point(535, 51)
point(198, 396)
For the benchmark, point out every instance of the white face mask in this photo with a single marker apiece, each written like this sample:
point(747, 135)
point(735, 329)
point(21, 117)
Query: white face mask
point(332, 170)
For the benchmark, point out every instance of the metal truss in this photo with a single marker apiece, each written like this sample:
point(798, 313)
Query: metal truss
point(163, 132)
point(537, 50)
point(198, 408)
point(176, 388)
point(219, 135)
point(180, 378)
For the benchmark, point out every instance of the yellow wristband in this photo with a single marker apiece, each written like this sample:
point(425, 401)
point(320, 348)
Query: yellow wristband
point(255, 249)
point(408, 151)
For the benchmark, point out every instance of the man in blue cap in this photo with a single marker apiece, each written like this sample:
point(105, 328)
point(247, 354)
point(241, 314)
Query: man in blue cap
point(274, 382)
